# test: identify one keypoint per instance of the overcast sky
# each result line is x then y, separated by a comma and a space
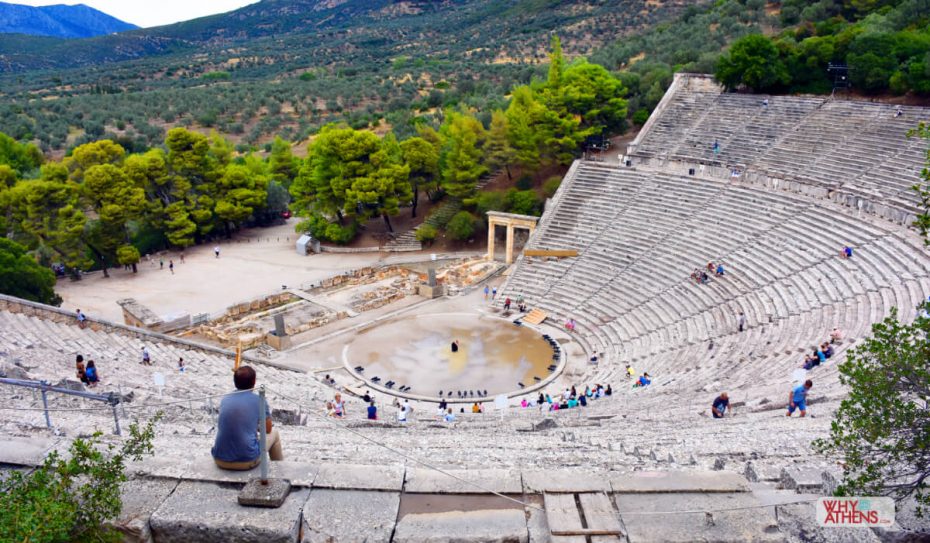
147, 13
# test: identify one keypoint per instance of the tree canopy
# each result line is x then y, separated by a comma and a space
882, 429
23, 277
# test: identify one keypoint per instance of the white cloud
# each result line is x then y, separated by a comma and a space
148, 13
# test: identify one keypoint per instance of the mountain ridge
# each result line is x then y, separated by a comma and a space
58, 21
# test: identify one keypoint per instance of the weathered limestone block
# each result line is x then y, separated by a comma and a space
486, 526
210, 512
350, 515
141, 497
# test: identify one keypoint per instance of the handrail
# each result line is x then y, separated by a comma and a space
110, 398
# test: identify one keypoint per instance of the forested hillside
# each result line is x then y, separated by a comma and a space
288, 67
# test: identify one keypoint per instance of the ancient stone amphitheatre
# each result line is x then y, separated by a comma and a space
786, 187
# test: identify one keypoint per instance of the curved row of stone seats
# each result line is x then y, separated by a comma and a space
860, 149
43, 349
630, 294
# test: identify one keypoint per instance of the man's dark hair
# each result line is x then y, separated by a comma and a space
80, 358
244, 378
808, 383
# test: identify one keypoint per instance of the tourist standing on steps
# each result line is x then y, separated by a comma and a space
237, 444
487, 290
81, 319
719, 408
797, 399
741, 321
372, 411
339, 406
146, 357
450, 416
493, 293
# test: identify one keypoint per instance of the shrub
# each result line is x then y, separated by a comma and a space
525, 182
462, 226
551, 185
641, 116
426, 233
491, 200
72, 498
523, 202
320, 228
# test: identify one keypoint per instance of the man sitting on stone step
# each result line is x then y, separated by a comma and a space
720, 405
237, 442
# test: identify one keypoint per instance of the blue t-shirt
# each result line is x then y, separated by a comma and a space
91, 374
799, 394
237, 430
721, 405
372, 412
821, 356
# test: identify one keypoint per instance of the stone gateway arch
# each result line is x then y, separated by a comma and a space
511, 221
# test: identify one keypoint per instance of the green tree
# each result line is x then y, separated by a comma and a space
753, 62
48, 215
525, 130
239, 193
339, 155
523, 202
70, 498
388, 185
7, 176
193, 165
23, 277
553, 89
871, 61
922, 221
591, 92
283, 164
882, 429
115, 201
426, 233
498, 153
93, 154
460, 160
462, 226
422, 158
21, 158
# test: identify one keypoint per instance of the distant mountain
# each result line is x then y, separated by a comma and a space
59, 21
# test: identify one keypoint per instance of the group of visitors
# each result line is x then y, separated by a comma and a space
569, 398
702, 277
86, 374
521, 304
336, 407
642, 381
819, 355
